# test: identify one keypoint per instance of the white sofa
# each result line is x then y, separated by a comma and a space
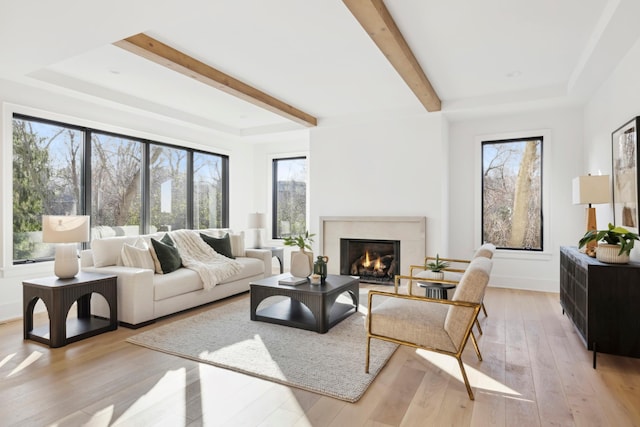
144, 296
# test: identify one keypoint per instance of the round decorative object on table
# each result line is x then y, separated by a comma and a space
609, 254
301, 263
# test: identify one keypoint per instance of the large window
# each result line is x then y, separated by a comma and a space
131, 185
289, 197
512, 193
168, 188
116, 181
47, 160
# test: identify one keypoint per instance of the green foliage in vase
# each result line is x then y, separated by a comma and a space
437, 265
614, 236
303, 241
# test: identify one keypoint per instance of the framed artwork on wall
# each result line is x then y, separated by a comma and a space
624, 144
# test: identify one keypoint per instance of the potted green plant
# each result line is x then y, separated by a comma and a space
301, 261
436, 268
618, 243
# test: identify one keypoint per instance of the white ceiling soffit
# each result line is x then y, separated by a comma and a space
493, 55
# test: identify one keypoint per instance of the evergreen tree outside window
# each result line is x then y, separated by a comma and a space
512, 193
289, 197
47, 170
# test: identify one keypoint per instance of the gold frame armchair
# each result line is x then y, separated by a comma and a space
442, 326
453, 273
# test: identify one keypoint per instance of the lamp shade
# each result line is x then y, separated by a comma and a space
256, 220
590, 189
65, 229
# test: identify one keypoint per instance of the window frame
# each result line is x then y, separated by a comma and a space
545, 165
274, 192
86, 185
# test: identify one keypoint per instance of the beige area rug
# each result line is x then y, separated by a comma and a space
331, 364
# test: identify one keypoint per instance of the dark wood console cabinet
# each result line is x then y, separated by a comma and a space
603, 301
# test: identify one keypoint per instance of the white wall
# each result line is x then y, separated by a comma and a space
292, 144
382, 166
616, 102
47, 104
536, 271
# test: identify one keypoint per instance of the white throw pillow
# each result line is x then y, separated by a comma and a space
237, 244
137, 255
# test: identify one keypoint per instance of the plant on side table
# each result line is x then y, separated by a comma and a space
436, 268
302, 260
619, 242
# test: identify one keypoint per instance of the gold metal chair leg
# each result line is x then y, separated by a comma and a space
484, 310
464, 377
478, 325
366, 365
475, 346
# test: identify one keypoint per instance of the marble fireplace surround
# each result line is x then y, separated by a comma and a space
410, 230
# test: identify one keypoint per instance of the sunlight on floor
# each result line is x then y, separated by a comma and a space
162, 395
26, 363
6, 359
478, 380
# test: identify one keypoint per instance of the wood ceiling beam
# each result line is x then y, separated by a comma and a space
160, 53
378, 23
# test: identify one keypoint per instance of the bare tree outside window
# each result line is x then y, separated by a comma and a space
168, 188
289, 197
116, 174
512, 193
208, 189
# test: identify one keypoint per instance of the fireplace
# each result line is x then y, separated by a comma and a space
374, 261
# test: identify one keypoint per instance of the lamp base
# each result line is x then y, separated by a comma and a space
590, 248
66, 260
257, 238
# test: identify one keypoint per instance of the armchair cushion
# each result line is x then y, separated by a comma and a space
412, 321
470, 289
486, 250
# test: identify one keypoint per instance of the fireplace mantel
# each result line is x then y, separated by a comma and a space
410, 230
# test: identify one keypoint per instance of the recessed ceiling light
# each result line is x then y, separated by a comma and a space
514, 74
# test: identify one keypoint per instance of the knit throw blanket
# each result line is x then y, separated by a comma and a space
197, 255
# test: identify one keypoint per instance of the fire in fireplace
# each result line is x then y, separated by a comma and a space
375, 261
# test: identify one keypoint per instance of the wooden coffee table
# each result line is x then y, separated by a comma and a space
307, 306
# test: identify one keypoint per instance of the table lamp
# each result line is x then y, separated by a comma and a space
588, 190
67, 232
257, 223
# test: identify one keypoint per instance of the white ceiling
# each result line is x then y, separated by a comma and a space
480, 56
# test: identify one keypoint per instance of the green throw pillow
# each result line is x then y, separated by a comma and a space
166, 254
220, 245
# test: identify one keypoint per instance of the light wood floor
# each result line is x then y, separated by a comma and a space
535, 372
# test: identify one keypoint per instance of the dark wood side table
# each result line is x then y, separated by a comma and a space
59, 295
436, 290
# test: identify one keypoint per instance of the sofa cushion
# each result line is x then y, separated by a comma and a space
250, 267
137, 255
107, 251
165, 255
181, 281
237, 244
220, 245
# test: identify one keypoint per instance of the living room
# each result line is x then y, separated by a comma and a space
376, 151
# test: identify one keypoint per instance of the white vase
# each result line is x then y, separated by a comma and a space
301, 263
609, 254
436, 275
